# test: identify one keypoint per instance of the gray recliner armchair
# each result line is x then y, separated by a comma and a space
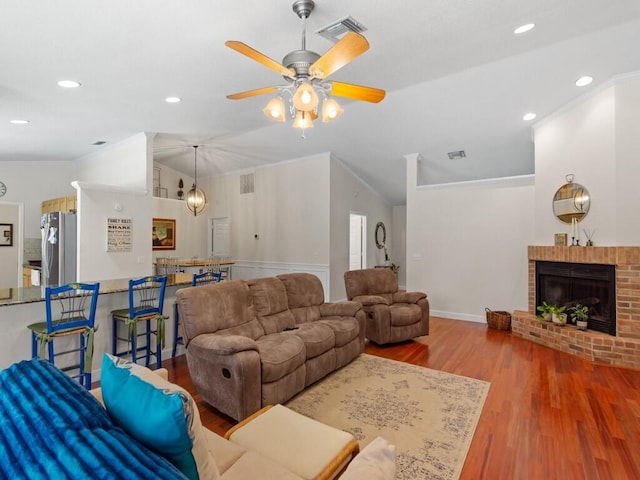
392, 315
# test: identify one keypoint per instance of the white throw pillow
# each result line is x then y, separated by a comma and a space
377, 461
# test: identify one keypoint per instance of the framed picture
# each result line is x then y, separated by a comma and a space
6, 234
163, 235
560, 239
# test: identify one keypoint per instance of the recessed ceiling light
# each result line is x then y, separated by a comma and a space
172, 99
524, 28
19, 122
584, 81
68, 84
529, 116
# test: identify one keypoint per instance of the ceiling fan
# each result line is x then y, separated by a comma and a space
307, 73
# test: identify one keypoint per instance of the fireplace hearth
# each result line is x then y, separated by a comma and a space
568, 284
623, 349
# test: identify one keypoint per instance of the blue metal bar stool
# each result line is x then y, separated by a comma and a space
146, 301
198, 279
66, 313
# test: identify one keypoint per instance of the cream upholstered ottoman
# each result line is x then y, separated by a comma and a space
310, 449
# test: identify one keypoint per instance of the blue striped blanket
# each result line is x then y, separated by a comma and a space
52, 428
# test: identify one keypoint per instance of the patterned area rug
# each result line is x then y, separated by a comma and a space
429, 415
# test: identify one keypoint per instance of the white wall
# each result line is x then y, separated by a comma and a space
289, 212
191, 231
10, 255
467, 244
579, 140
115, 183
628, 160
399, 241
349, 194
30, 183
126, 164
597, 139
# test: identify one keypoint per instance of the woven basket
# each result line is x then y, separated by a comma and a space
499, 320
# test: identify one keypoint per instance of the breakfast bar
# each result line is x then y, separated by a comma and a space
20, 307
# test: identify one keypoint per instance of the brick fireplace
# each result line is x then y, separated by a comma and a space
623, 349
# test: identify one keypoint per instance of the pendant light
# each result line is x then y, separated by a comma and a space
196, 200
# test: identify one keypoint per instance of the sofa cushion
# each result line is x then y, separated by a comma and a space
344, 329
157, 413
306, 314
224, 307
280, 354
403, 314
317, 338
270, 304
303, 289
370, 281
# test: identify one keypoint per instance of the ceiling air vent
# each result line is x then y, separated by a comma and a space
246, 183
99, 142
336, 30
457, 154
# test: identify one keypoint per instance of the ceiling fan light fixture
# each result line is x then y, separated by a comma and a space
305, 98
331, 110
275, 110
303, 120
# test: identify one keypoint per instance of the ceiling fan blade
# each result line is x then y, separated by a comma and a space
260, 58
357, 92
251, 93
343, 52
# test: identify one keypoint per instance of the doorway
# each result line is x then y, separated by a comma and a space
219, 234
357, 241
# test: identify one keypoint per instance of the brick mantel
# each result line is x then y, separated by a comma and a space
622, 350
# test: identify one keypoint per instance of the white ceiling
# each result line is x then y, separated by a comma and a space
456, 78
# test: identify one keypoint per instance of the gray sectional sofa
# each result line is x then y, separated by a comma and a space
252, 343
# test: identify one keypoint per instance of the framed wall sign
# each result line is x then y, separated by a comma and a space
163, 234
6, 234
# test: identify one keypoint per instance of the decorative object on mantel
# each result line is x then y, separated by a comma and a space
498, 319
558, 317
579, 315
589, 234
545, 312
560, 239
571, 204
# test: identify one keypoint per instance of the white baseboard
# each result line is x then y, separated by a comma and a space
459, 316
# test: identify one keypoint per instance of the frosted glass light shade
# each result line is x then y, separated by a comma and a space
331, 110
305, 98
302, 120
275, 110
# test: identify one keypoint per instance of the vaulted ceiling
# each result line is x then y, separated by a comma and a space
455, 74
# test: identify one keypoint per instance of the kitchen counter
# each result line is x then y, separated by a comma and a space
16, 296
20, 307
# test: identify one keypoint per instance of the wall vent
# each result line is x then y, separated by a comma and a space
247, 183
457, 154
338, 29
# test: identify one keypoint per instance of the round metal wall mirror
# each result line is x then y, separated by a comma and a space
571, 201
381, 235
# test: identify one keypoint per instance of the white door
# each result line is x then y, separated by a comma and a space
357, 241
219, 233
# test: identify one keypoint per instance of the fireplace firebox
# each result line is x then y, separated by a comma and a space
593, 285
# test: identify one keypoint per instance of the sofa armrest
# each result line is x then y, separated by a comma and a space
225, 344
408, 297
367, 300
341, 309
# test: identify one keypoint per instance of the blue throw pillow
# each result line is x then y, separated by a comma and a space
153, 416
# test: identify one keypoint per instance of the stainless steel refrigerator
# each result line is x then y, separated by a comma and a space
59, 247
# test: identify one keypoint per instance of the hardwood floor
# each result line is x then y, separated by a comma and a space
548, 415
